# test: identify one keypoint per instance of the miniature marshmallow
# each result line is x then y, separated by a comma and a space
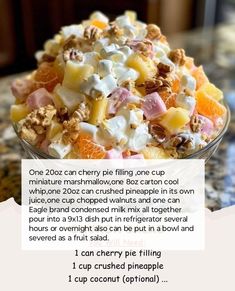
39, 98
116, 99
113, 154
123, 73
91, 58
153, 106
100, 44
207, 125
69, 98
123, 20
138, 138
20, 88
129, 31
117, 56
57, 148
97, 15
105, 67
115, 128
186, 102
133, 117
75, 29
88, 128
189, 82
98, 88
166, 61
126, 50
135, 157
106, 50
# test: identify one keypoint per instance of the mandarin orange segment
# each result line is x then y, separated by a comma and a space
99, 24
88, 149
176, 85
200, 76
47, 77
208, 106
169, 100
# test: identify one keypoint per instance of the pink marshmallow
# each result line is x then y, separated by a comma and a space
39, 98
136, 157
21, 88
116, 99
207, 125
113, 154
137, 46
153, 106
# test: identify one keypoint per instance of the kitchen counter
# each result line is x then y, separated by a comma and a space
220, 169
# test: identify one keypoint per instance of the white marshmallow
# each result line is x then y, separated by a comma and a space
106, 50
98, 88
133, 117
105, 67
59, 150
75, 29
91, 58
138, 138
126, 50
88, 128
100, 44
163, 46
99, 16
69, 98
123, 73
189, 82
129, 31
123, 20
186, 102
141, 34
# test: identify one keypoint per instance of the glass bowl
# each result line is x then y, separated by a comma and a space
204, 153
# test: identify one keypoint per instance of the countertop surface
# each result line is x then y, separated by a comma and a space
220, 169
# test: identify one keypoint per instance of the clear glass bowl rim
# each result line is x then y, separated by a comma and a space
200, 152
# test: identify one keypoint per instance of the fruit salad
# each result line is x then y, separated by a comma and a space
116, 90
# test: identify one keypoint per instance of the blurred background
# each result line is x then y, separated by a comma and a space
26, 24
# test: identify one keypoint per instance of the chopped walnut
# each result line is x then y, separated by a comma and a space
36, 123
157, 132
71, 130
114, 30
92, 33
82, 113
71, 42
62, 114
177, 56
144, 47
153, 32
73, 55
195, 123
181, 142
158, 84
163, 69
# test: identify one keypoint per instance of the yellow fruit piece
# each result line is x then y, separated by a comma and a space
212, 91
174, 119
75, 74
72, 155
132, 15
100, 24
18, 112
143, 65
98, 111
54, 128
154, 153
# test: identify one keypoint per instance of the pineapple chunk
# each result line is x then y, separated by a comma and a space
212, 91
18, 112
174, 119
154, 153
143, 65
54, 128
98, 111
75, 74
132, 15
